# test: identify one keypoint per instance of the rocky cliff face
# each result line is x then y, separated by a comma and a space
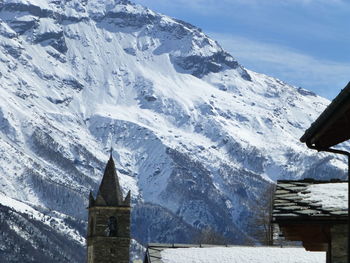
197, 137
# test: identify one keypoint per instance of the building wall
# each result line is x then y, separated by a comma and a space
339, 243
101, 247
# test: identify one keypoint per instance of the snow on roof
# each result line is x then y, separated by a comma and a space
241, 255
309, 200
329, 195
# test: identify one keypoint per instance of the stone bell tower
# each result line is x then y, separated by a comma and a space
108, 235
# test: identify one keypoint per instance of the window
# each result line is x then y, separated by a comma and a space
112, 227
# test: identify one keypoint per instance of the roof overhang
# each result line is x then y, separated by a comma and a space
314, 237
312, 220
333, 125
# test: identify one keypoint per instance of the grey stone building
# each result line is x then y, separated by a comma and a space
108, 235
314, 212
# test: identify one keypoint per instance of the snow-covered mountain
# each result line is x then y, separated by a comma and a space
197, 137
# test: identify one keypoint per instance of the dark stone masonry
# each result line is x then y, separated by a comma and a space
108, 237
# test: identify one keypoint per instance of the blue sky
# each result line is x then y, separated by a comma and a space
303, 42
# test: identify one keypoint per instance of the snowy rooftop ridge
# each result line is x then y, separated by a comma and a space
328, 195
240, 254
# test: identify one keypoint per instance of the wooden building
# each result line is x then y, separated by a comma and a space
317, 228
314, 212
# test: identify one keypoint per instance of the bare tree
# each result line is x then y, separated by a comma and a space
259, 225
210, 237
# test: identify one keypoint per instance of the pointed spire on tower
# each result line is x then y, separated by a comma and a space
111, 153
109, 192
91, 199
127, 199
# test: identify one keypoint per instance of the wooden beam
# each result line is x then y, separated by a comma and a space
313, 237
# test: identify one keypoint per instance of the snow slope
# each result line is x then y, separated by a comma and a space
197, 137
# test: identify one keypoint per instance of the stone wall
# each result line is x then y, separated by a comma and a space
99, 219
101, 247
109, 249
339, 243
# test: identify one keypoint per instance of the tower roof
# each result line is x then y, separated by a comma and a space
109, 193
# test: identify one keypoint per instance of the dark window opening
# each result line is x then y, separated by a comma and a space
112, 230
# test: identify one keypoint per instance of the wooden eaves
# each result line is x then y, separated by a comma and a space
332, 127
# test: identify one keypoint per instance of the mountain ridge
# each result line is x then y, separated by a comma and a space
197, 136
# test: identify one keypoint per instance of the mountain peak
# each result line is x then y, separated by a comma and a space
198, 135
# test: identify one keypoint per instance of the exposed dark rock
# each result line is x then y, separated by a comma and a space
200, 66
150, 98
54, 39
61, 58
60, 101
14, 51
22, 26
31, 9
124, 18
74, 84
306, 92
130, 51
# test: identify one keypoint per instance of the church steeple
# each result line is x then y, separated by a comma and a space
109, 221
109, 189
109, 192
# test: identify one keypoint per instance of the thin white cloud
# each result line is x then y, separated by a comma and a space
323, 76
